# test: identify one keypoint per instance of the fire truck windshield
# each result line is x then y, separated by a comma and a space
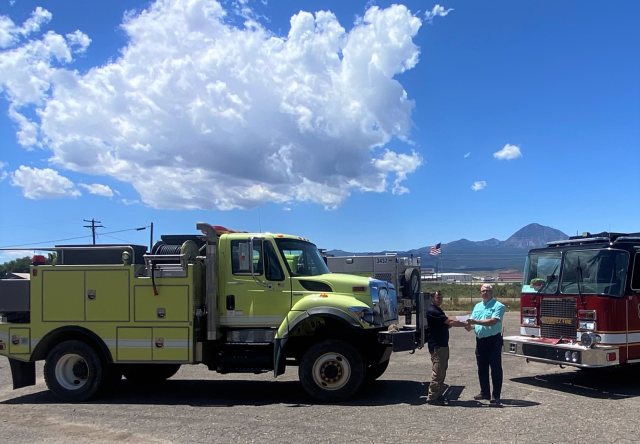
541, 271
594, 272
302, 258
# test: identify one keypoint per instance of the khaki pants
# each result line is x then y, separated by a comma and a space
439, 365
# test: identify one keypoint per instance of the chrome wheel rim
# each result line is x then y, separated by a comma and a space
72, 372
331, 371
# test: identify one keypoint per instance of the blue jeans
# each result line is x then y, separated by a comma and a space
489, 356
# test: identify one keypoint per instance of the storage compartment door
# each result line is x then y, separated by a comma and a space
19, 341
62, 295
171, 304
134, 344
107, 295
171, 344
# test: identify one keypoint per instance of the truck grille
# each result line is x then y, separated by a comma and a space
559, 309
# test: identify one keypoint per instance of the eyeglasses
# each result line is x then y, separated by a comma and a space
486, 291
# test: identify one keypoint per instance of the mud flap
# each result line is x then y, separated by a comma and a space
278, 362
23, 373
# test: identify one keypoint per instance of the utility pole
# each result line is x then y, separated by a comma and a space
93, 227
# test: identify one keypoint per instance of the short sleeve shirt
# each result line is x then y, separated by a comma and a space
490, 310
437, 331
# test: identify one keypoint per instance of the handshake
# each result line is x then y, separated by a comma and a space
469, 322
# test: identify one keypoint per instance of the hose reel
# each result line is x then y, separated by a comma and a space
188, 248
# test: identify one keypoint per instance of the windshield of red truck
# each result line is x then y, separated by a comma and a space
594, 272
302, 258
541, 271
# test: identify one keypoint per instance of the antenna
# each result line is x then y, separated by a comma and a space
259, 221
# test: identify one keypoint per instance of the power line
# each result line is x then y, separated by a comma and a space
93, 227
72, 238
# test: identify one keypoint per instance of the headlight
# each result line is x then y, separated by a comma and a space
364, 313
575, 356
529, 321
587, 325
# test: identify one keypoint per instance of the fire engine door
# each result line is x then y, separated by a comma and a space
633, 311
259, 300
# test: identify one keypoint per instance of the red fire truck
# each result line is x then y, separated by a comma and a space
580, 302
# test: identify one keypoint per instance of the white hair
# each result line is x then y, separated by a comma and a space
486, 287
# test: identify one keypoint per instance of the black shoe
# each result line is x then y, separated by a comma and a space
441, 398
435, 401
495, 401
480, 396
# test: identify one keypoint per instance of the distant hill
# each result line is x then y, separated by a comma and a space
490, 254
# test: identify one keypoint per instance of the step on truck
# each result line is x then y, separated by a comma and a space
234, 301
580, 303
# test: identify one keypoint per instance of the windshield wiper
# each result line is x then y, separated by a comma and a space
550, 278
579, 270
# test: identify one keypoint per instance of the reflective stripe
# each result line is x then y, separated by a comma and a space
143, 343
251, 320
530, 331
4, 336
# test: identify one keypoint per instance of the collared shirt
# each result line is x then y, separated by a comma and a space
490, 310
437, 331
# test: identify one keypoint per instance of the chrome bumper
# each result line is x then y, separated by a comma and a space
538, 350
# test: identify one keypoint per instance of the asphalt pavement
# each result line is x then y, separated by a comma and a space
541, 404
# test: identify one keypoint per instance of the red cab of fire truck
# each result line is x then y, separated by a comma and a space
580, 302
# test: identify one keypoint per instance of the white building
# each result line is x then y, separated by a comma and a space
447, 277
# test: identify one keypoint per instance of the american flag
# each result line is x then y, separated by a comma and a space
435, 249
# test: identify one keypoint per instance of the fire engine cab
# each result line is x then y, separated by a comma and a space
580, 302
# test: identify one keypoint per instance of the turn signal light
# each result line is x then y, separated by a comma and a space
359, 288
324, 295
611, 357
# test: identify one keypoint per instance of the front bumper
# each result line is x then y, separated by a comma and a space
545, 350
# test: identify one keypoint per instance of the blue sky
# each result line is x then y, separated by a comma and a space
235, 114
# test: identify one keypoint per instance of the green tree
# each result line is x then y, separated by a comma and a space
20, 265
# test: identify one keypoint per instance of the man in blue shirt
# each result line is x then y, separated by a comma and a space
487, 321
438, 341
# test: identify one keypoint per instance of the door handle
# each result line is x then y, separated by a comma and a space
231, 302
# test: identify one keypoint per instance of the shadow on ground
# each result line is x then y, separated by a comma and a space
203, 393
599, 384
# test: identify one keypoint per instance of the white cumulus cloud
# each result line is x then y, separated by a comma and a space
437, 11
43, 183
509, 152
467, 155
10, 33
198, 113
96, 188
478, 185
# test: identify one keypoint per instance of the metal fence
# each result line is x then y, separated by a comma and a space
463, 296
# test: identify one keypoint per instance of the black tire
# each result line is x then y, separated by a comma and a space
376, 370
74, 372
146, 374
332, 371
411, 282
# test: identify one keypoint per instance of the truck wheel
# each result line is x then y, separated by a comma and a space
411, 282
376, 370
149, 373
331, 371
74, 372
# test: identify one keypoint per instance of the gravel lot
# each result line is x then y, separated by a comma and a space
541, 404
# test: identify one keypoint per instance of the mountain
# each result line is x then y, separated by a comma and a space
490, 254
